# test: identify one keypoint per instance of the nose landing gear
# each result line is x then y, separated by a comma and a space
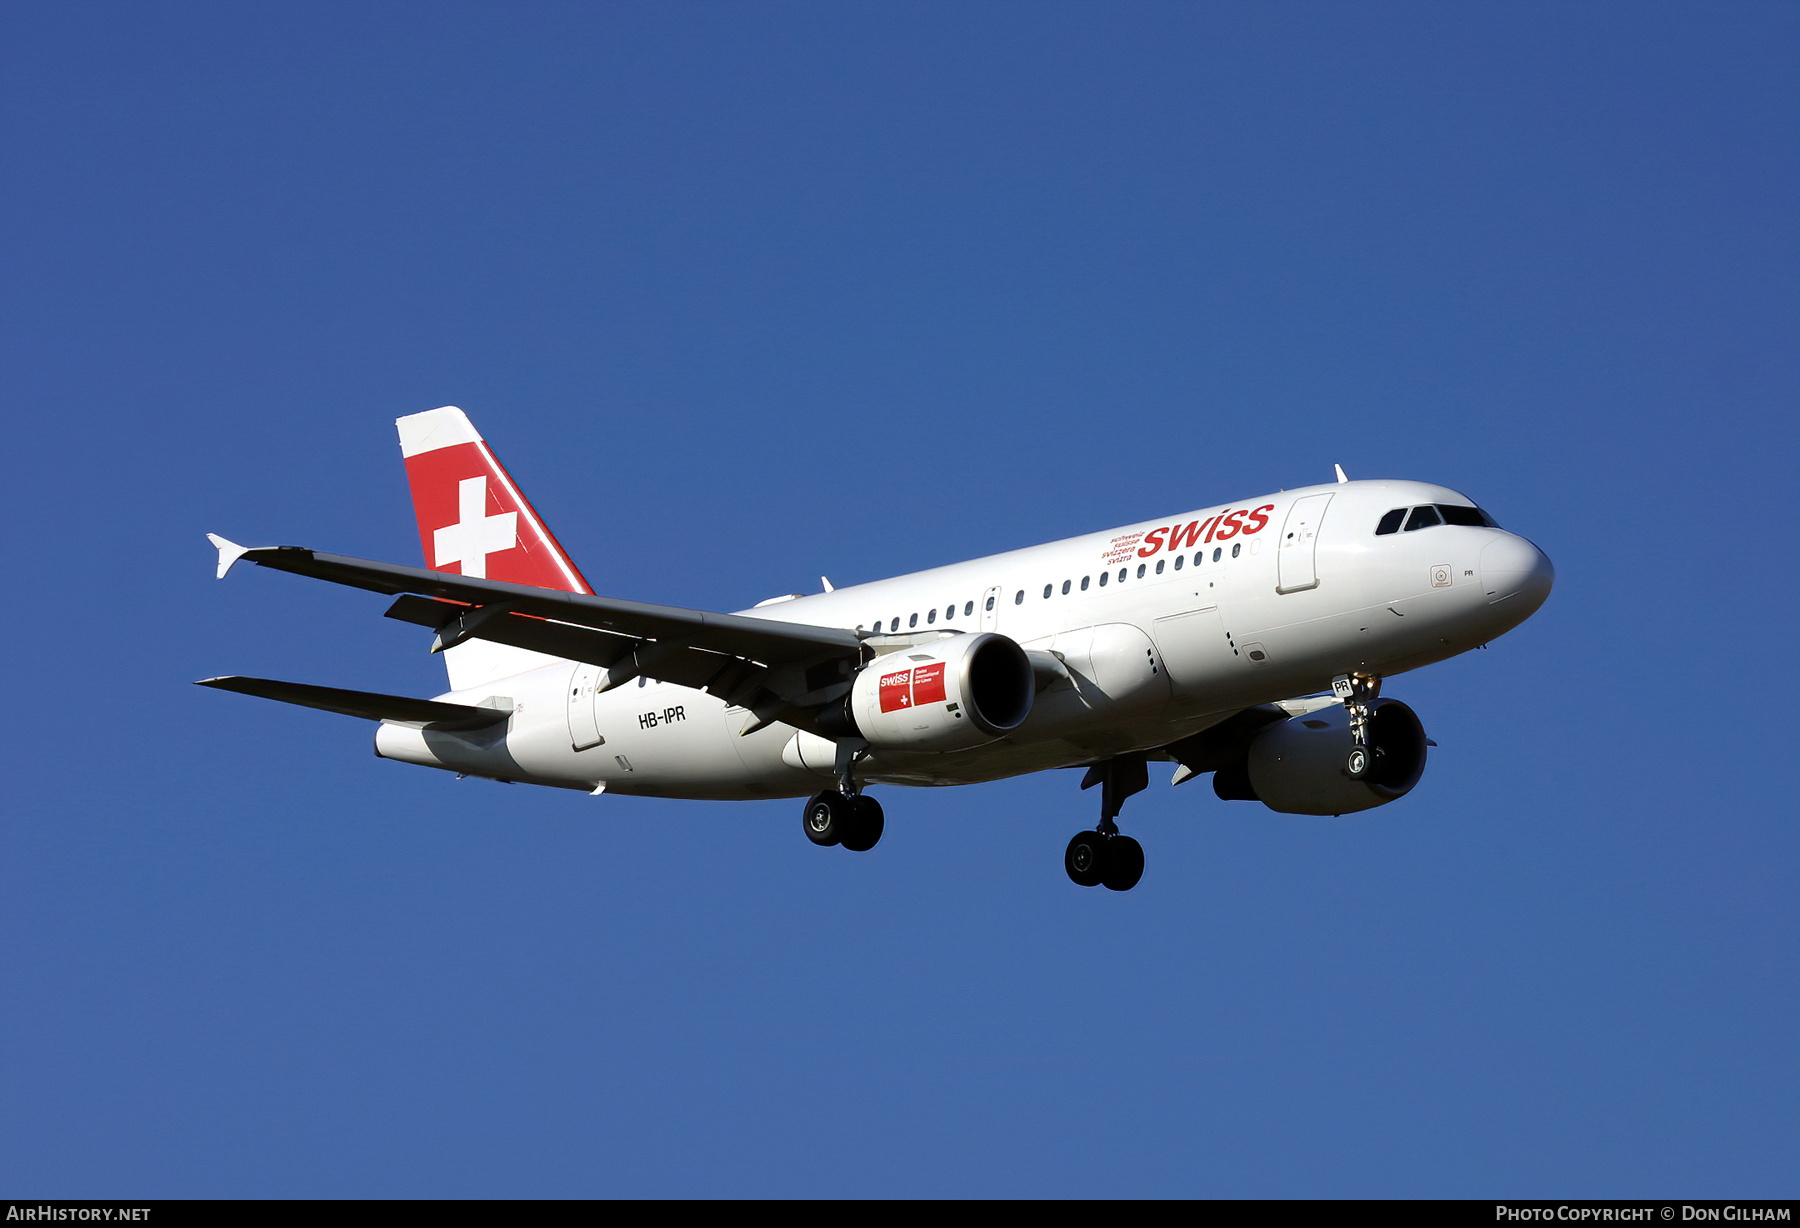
1357, 690
1103, 857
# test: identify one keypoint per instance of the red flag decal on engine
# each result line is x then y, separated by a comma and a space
896, 691
910, 688
928, 684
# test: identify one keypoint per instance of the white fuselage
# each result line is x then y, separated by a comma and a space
1251, 602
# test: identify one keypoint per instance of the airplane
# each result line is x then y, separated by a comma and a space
1248, 640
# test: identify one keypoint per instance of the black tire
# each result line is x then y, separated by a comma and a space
1359, 762
862, 826
824, 817
1124, 863
1086, 859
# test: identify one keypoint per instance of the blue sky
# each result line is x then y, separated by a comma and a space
744, 294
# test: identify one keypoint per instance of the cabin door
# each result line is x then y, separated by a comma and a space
1295, 567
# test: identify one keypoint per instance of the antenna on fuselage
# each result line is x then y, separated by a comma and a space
1340, 474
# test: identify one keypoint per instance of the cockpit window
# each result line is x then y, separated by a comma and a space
1434, 514
1472, 517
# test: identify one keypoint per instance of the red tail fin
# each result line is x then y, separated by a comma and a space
473, 519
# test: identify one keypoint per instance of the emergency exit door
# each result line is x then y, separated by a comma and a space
584, 729
990, 609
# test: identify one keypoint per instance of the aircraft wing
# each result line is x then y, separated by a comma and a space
731, 655
759, 639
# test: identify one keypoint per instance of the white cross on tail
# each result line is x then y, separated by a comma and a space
476, 535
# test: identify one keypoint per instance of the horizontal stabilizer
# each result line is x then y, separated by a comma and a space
366, 704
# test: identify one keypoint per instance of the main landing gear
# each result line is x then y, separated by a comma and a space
852, 820
1103, 857
844, 815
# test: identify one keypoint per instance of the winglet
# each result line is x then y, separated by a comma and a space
1340, 474
229, 552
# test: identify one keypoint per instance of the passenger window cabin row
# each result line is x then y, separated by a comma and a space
1400, 519
1143, 568
1106, 577
931, 616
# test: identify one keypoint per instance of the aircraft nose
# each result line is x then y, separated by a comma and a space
1514, 570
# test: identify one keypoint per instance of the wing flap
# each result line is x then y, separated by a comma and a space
455, 622
623, 656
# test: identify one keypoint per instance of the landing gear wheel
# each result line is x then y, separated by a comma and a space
862, 826
825, 815
1086, 859
1358, 762
1124, 863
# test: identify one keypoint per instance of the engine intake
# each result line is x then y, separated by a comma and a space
1296, 766
950, 694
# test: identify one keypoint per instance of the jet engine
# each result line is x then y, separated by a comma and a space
1296, 766
949, 694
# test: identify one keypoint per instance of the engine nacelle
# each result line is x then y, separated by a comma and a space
1296, 766
949, 694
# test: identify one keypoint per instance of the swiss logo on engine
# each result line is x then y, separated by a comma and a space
909, 688
896, 691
